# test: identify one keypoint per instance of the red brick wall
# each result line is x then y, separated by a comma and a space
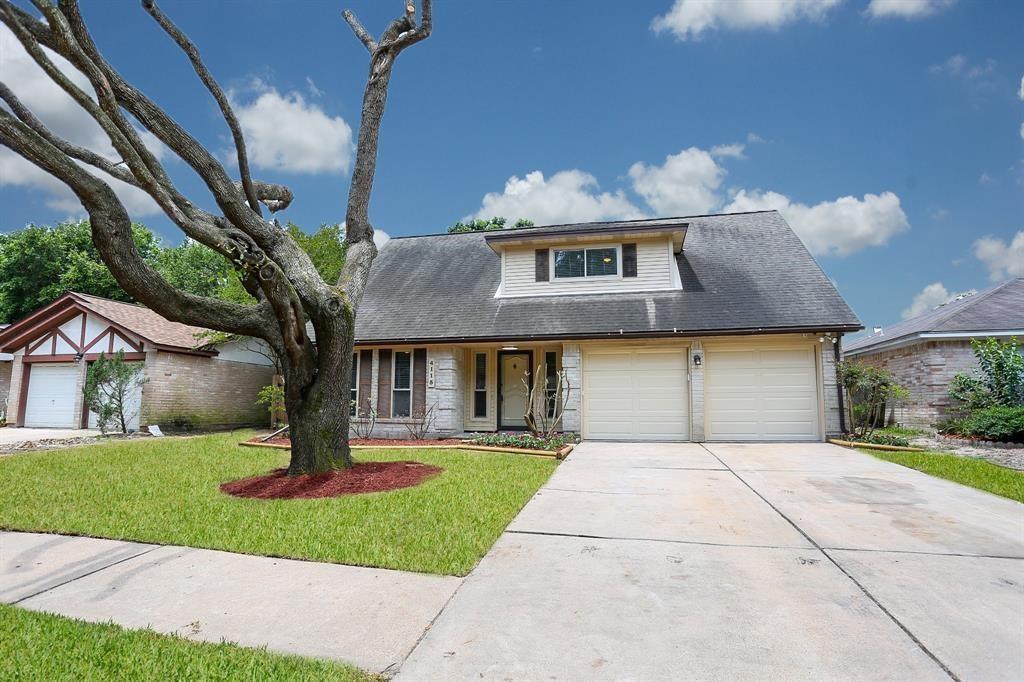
196, 391
925, 369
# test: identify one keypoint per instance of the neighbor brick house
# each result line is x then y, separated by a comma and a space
717, 327
924, 353
189, 382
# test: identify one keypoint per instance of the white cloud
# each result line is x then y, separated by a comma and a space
754, 138
568, 196
734, 151
832, 228
67, 119
933, 295
287, 133
1020, 93
907, 9
1002, 260
691, 18
960, 66
313, 89
686, 184
380, 238
984, 179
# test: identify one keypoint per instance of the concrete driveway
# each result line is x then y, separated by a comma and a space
781, 561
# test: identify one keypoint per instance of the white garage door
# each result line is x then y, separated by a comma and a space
761, 393
52, 390
636, 394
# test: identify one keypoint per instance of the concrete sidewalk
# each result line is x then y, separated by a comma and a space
369, 617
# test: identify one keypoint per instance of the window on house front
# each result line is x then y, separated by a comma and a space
480, 385
586, 262
401, 385
354, 387
551, 381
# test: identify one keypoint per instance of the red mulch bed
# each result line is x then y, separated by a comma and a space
365, 477
383, 442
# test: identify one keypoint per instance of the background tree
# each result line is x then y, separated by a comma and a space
495, 223
272, 267
39, 263
110, 386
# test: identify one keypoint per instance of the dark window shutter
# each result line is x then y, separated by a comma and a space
384, 383
541, 260
629, 260
419, 381
365, 381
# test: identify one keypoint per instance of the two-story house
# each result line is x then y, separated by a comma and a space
715, 327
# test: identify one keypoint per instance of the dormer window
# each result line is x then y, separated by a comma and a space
601, 262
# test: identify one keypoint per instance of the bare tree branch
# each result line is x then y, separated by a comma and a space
360, 31
189, 48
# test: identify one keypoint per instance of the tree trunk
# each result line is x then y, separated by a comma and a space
317, 403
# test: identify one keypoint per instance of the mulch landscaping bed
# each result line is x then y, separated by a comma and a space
379, 442
364, 477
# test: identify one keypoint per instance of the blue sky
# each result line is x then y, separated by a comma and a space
890, 134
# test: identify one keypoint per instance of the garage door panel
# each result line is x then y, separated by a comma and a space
52, 389
640, 394
762, 394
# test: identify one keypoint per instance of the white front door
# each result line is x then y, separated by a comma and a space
52, 389
762, 390
638, 393
515, 396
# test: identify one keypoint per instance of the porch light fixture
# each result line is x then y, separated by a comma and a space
697, 359
78, 357
510, 347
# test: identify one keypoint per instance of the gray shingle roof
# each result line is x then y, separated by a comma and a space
1000, 308
739, 272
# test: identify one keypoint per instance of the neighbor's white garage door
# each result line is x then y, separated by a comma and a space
761, 392
636, 394
51, 396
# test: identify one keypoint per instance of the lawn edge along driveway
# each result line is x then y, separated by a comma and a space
165, 491
969, 471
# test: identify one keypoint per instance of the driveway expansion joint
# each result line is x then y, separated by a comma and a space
664, 540
921, 645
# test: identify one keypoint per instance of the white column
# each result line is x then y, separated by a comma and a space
572, 365
697, 393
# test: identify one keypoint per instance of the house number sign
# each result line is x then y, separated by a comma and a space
430, 373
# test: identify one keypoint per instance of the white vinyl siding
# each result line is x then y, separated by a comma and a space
762, 390
654, 257
636, 393
52, 389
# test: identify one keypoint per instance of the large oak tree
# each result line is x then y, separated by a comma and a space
273, 268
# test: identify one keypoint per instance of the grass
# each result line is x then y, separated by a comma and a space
903, 431
165, 491
40, 646
976, 473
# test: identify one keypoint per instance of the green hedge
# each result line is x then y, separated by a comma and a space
525, 440
1003, 424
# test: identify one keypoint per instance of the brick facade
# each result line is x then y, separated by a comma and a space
6, 367
191, 391
572, 365
925, 369
830, 389
14, 390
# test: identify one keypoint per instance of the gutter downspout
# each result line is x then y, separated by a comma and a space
839, 388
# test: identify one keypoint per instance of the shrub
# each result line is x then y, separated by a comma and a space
867, 390
525, 440
1002, 377
1003, 424
881, 438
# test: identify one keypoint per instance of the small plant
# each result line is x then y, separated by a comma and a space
546, 402
868, 390
273, 398
362, 426
525, 440
882, 438
110, 383
1002, 424
421, 422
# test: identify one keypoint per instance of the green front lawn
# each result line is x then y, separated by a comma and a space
40, 646
976, 473
165, 491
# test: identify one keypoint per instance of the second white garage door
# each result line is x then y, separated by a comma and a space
636, 394
51, 396
761, 393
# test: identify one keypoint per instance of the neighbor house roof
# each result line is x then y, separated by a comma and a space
137, 319
999, 310
740, 273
